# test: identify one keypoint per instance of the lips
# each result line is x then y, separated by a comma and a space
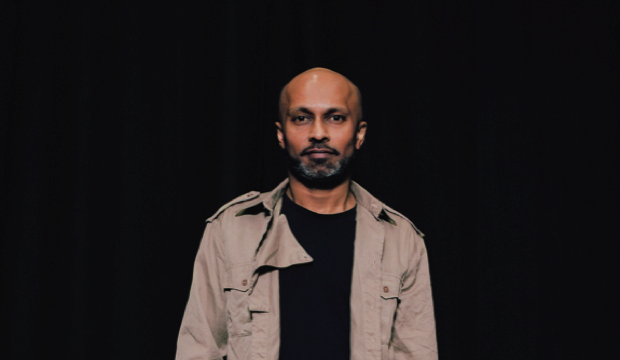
319, 151
319, 154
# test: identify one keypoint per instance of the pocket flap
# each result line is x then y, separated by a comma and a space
238, 277
390, 286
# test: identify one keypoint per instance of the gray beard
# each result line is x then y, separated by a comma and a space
320, 174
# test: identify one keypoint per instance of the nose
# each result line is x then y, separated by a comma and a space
319, 132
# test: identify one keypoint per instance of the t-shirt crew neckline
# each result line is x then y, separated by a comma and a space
293, 206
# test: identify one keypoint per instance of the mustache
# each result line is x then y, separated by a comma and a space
319, 146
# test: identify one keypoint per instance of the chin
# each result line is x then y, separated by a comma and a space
320, 163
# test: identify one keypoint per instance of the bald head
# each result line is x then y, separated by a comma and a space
318, 83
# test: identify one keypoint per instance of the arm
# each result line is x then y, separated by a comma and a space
203, 334
413, 335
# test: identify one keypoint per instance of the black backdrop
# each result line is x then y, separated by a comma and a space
125, 125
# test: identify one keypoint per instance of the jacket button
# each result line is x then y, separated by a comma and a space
385, 289
244, 282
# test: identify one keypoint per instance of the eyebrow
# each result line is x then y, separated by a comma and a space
329, 111
301, 109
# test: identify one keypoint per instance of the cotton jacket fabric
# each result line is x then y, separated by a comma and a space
233, 308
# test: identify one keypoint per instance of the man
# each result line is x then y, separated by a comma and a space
317, 268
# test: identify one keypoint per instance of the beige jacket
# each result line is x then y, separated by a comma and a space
233, 308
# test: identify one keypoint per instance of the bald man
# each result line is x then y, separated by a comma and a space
317, 268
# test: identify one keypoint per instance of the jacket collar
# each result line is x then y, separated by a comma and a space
272, 198
363, 198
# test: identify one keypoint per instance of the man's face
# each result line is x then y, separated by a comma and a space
319, 129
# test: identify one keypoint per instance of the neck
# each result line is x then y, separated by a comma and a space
322, 201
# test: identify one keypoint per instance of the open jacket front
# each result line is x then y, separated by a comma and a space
233, 308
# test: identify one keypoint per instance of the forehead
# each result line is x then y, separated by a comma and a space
316, 91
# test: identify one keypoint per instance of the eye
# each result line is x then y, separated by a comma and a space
338, 118
300, 118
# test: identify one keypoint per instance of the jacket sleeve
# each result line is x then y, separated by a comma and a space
413, 335
203, 334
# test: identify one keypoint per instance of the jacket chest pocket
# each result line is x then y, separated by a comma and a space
236, 290
390, 298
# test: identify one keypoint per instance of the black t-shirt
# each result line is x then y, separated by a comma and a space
314, 297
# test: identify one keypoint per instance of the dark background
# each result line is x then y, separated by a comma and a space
492, 125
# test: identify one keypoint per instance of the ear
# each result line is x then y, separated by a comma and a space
361, 134
280, 134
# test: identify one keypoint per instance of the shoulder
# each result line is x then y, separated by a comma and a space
399, 219
403, 242
381, 211
243, 200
